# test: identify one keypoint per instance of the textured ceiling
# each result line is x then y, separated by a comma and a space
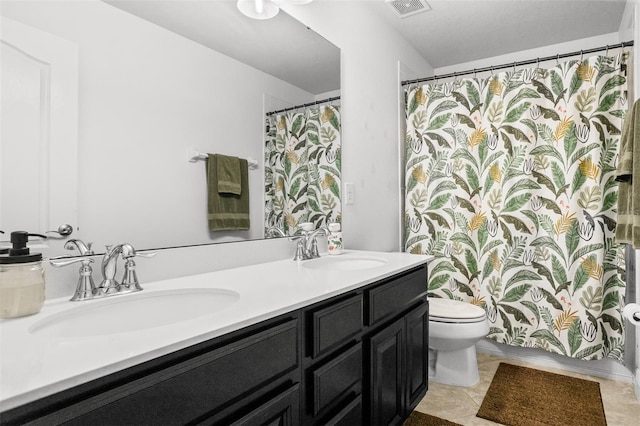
452, 32
281, 46
458, 31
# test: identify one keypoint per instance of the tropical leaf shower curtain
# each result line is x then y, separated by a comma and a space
510, 185
303, 168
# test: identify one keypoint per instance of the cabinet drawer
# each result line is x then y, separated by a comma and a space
349, 415
200, 385
282, 410
390, 298
335, 379
335, 324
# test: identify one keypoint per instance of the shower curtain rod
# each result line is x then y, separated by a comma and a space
519, 63
335, 98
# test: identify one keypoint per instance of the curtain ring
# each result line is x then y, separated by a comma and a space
557, 59
581, 55
514, 67
491, 70
606, 52
474, 73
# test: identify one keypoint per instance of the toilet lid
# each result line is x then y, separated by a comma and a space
448, 310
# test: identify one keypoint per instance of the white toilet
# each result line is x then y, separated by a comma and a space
454, 329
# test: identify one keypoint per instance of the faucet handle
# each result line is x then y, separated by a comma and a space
59, 262
130, 279
150, 254
129, 252
313, 251
85, 289
300, 247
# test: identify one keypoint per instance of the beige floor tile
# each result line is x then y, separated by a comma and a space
487, 370
447, 402
460, 405
473, 421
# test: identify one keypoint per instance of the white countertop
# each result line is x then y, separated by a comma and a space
32, 366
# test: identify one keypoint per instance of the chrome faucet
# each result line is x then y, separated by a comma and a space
274, 230
84, 249
109, 285
307, 246
86, 288
312, 244
301, 251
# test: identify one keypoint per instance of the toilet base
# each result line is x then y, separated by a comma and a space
456, 368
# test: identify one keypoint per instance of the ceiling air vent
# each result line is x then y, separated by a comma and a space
406, 8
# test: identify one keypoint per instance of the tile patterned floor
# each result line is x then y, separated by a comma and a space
460, 405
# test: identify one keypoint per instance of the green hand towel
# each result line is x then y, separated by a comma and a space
228, 171
627, 173
227, 212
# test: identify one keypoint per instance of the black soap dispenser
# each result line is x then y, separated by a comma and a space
21, 278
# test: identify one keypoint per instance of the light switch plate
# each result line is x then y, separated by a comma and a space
348, 193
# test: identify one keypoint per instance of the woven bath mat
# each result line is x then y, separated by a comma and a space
521, 396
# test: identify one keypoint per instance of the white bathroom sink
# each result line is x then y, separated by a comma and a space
134, 312
345, 263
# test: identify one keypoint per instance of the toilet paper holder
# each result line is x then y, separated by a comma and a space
632, 313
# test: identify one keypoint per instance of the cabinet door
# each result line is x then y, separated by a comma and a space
417, 331
386, 394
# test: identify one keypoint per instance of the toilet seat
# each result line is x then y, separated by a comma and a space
454, 311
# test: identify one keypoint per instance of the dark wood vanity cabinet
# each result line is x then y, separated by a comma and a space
372, 368
397, 349
357, 358
398, 371
251, 376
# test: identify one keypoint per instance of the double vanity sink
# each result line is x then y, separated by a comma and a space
134, 313
71, 343
160, 308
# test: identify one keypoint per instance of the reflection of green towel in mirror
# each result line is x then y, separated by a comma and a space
627, 174
227, 212
228, 172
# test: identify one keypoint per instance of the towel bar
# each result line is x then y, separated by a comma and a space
195, 156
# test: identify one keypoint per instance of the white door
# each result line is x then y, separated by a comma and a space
39, 133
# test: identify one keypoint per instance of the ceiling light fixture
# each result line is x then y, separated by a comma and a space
264, 9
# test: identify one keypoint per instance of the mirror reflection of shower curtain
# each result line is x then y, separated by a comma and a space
510, 185
303, 168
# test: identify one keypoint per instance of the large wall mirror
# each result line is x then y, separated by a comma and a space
157, 82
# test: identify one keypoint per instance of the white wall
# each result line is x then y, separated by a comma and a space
370, 118
146, 96
552, 50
